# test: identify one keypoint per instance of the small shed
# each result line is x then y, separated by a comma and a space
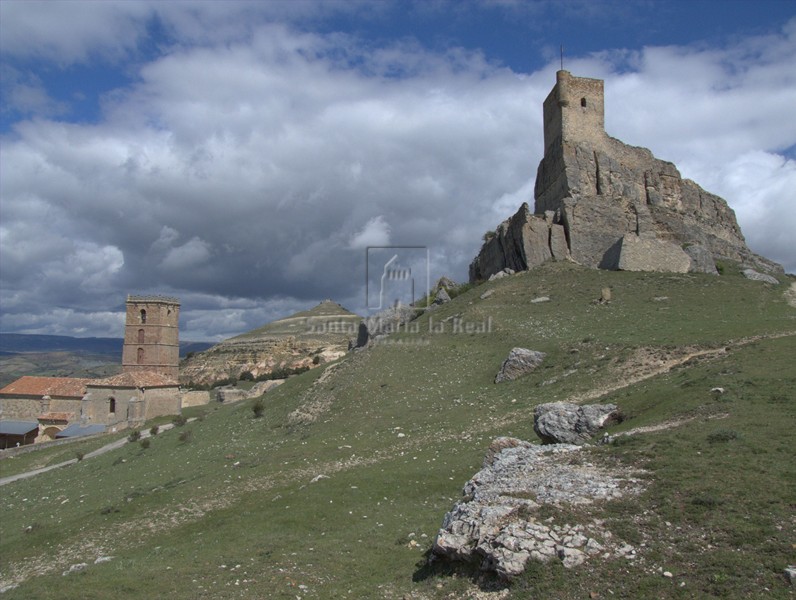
17, 433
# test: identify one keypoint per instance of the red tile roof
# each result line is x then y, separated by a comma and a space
62, 387
137, 379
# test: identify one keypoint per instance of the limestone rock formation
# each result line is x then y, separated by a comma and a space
755, 276
519, 362
567, 423
495, 524
390, 320
295, 341
608, 205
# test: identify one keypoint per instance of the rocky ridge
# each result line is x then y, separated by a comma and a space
304, 339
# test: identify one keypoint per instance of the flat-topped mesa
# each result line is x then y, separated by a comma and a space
617, 205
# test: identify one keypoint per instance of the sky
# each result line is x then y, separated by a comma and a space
243, 156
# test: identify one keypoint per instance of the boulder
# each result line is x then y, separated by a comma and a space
441, 297
701, 260
755, 276
519, 362
230, 394
445, 282
390, 320
567, 423
637, 253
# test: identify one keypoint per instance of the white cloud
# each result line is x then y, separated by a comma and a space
376, 232
190, 255
256, 169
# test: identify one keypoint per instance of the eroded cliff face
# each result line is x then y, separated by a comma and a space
618, 205
305, 339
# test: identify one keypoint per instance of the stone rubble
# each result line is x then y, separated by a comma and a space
496, 523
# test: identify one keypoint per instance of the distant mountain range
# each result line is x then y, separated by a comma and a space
16, 343
65, 356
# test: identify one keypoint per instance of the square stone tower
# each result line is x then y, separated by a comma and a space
574, 111
151, 336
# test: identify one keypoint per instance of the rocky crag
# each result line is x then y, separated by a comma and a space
605, 204
304, 339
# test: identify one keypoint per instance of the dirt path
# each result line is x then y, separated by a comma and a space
790, 294
92, 454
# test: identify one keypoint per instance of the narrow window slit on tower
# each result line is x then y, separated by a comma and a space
583, 102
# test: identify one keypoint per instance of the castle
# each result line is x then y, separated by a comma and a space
604, 204
45, 408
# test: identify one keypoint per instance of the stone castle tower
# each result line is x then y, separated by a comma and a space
151, 336
574, 110
607, 205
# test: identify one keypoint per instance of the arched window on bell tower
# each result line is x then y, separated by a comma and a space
140, 336
143, 316
140, 356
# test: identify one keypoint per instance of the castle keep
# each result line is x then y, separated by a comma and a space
605, 204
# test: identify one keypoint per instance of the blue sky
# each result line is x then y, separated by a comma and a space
241, 155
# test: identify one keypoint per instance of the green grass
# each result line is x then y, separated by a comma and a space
399, 428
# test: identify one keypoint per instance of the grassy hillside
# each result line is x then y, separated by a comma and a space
338, 490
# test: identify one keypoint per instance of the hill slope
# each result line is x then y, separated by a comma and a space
289, 343
338, 490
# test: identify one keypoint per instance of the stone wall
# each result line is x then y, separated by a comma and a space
162, 401
29, 409
195, 398
97, 406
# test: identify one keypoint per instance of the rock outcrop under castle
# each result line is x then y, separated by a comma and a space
605, 204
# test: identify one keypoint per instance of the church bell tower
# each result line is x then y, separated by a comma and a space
151, 336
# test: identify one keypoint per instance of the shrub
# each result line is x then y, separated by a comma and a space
186, 436
316, 360
723, 435
79, 456
179, 421
154, 430
258, 407
246, 376
145, 443
134, 436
